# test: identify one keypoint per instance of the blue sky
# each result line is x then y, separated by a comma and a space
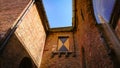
59, 12
103, 8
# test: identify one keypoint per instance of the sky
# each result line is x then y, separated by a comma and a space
59, 12
103, 8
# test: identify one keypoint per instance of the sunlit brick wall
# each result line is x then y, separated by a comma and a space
32, 34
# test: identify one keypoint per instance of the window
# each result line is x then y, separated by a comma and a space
62, 47
63, 44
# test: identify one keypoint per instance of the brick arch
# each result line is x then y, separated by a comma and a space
26, 62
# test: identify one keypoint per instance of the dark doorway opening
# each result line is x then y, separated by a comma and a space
26, 63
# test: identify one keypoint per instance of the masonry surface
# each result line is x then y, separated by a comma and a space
33, 40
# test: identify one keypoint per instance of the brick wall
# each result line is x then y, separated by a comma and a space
32, 34
13, 53
58, 62
92, 50
9, 12
118, 29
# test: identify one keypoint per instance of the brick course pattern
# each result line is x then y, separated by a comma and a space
9, 12
93, 52
32, 34
13, 53
58, 62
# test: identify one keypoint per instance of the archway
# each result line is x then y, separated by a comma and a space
26, 63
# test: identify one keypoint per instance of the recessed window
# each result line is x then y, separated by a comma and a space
103, 8
82, 15
63, 44
59, 12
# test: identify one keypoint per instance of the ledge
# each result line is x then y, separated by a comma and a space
61, 29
